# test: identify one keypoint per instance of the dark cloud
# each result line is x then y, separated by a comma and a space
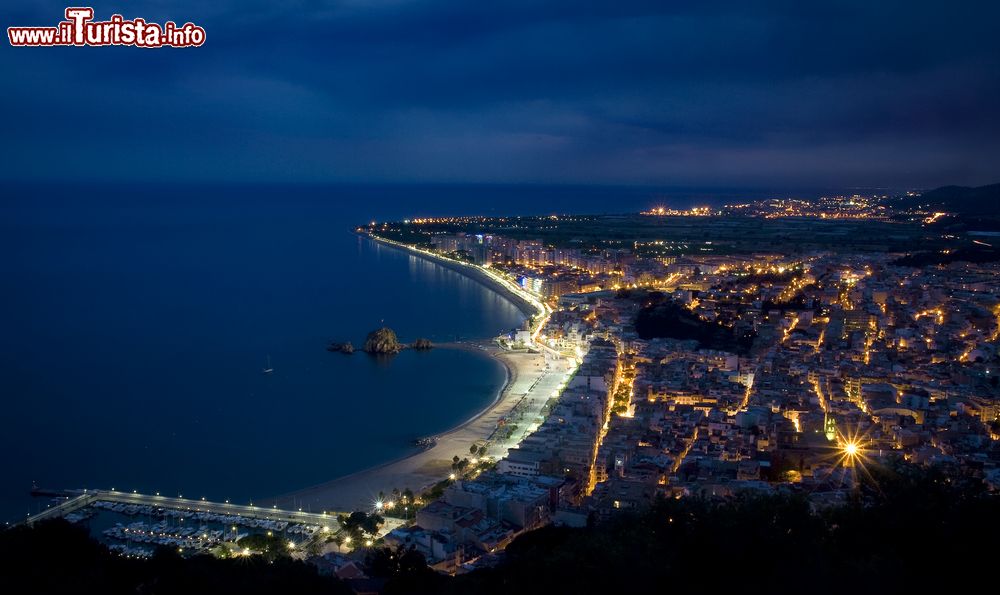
711, 93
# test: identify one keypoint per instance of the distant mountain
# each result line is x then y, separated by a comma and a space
984, 200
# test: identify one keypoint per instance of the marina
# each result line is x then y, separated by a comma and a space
134, 524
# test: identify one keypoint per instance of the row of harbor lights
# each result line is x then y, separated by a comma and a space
181, 496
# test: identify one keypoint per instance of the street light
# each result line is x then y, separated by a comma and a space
852, 452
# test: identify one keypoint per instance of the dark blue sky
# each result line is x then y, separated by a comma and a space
738, 94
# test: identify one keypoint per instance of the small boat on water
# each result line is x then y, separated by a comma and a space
268, 369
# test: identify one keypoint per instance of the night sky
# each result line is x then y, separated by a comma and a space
723, 94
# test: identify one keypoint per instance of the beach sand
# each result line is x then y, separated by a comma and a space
525, 372
359, 491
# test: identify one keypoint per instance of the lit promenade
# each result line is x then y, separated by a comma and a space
540, 307
549, 385
532, 380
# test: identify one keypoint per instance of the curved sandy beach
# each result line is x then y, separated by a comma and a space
417, 471
421, 469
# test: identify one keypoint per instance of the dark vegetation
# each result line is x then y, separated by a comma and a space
967, 223
971, 209
907, 530
915, 533
358, 523
798, 302
981, 200
404, 570
270, 546
973, 254
57, 557
667, 319
436, 490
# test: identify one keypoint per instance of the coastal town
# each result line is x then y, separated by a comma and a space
666, 354
719, 372
439, 297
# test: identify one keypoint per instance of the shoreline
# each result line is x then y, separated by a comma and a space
475, 346
509, 376
423, 468
471, 271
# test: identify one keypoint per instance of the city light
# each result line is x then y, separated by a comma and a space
828, 343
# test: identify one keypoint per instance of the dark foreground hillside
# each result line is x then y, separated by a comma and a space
907, 532
57, 557
923, 531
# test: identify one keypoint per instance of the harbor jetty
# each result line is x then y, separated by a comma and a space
232, 513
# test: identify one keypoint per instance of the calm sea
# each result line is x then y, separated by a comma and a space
136, 322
